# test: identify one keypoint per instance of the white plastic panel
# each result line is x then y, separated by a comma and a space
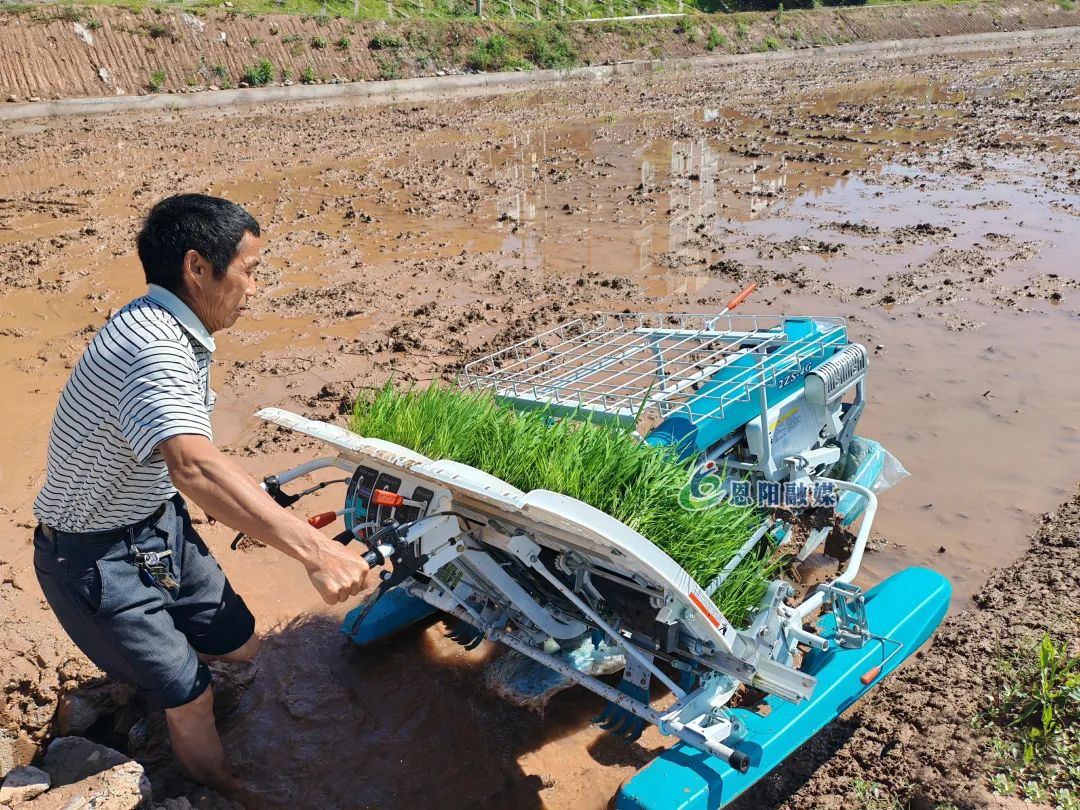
560, 520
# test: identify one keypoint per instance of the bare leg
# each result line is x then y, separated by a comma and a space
242, 654
198, 750
195, 741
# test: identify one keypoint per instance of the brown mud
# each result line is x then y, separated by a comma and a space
932, 200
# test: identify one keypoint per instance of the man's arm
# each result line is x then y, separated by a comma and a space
221, 488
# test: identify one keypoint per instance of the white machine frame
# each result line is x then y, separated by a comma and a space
458, 562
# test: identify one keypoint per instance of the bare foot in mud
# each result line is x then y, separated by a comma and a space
247, 798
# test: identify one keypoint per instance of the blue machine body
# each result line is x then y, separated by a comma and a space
394, 611
863, 465
694, 431
906, 608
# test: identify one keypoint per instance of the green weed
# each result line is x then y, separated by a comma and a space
493, 54
547, 46
157, 81
259, 74
874, 796
1035, 719
318, 42
343, 44
157, 30
383, 42
307, 76
388, 69
716, 39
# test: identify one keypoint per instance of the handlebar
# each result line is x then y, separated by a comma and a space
373, 557
377, 556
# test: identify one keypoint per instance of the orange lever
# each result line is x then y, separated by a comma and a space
738, 299
869, 675
383, 498
322, 519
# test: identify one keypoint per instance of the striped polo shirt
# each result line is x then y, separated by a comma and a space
144, 378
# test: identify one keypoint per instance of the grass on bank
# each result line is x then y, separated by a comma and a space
524, 48
874, 796
1035, 722
1034, 726
603, 465
520, 10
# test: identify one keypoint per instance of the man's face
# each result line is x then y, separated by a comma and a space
220, 301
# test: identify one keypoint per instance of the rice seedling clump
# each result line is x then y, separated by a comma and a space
604, 465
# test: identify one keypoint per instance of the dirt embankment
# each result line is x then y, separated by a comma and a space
52, 53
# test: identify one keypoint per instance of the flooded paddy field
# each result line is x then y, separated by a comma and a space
934, 202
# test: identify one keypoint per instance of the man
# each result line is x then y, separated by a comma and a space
117, 557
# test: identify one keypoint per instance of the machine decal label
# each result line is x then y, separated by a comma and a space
796, 374
715, 622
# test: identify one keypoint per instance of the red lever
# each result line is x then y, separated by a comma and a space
738, 299
322, 519
383, 498
869, 675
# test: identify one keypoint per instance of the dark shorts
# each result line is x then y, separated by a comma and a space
145, 634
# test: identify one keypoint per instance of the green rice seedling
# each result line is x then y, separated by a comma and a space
604, 465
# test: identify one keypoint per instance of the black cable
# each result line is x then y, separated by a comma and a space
286, 501
321, 485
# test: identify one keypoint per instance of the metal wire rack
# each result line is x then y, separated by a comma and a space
641, 367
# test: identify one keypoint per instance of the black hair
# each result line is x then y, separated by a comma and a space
211, 226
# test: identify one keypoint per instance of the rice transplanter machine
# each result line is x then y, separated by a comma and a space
765, 403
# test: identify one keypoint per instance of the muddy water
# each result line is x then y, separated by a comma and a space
935, 204
967, 387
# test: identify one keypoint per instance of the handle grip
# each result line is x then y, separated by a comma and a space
322, 519
738, 299
373, 557
868, 676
